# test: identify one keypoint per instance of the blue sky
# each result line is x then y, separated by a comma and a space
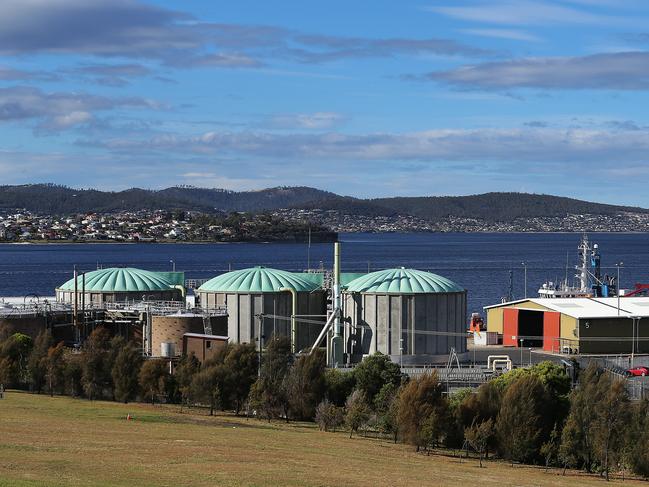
364, 98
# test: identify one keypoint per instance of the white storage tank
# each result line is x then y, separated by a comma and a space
167, 349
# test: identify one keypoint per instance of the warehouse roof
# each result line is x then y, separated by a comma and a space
403, 281
259, 280
634, 306
126, 279
588, 307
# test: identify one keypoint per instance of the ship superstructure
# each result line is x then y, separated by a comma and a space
588, 280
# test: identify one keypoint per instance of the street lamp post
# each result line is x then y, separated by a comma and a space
618, 265
521, 346
173, 265
635, 325
525, 278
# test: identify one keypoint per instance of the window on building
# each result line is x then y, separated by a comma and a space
208, 344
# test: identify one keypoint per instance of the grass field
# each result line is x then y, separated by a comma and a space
62, 441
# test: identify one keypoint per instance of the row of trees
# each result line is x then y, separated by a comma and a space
527, 415
104, 368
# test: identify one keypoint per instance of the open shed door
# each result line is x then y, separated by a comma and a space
510, 327
551, 331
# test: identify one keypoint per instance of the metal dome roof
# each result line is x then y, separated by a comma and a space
126, 279
258, 280
402, 281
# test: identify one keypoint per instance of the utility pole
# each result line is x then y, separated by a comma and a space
510, 294
525, 278
618, 265
635, 325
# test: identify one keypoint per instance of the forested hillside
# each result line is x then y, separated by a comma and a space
490, 207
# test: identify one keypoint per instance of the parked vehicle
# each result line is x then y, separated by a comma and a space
640, 371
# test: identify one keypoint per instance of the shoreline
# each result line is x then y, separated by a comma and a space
209, 242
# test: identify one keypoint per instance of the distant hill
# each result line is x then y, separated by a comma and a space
53, 199
491, 207
497, 206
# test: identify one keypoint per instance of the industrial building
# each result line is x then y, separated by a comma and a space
272, 299
203, 346
116, 284
168, 331
574, 325
413, 316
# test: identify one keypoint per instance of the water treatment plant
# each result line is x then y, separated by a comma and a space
415, 317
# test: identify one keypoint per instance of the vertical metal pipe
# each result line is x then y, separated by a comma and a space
308, 252
293, 314
76, 298
337, 341
261, 345
83, 299
336, 290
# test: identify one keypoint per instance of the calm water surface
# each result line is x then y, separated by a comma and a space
478, 262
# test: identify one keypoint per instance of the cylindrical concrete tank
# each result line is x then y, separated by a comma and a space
413, 316
250, 292
114, 285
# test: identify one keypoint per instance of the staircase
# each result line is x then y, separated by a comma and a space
207, 324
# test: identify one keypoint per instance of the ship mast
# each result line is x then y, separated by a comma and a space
584, 253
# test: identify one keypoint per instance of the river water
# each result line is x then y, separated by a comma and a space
478, 262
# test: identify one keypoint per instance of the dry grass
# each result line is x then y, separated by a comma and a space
63, 441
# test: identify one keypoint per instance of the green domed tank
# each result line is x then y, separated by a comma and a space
117, 284
411, 315
250, 292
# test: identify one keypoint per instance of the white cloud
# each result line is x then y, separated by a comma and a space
611, 71
531, 144
317, 120
522, 12
59, 110
72, 119
214, 180
509, 34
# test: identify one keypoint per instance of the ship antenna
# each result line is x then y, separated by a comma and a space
567, 264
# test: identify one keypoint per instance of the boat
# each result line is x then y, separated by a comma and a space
589, 282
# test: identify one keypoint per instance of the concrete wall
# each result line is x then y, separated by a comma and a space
202, 348
495, 320
385, 323
642, 344
243, 325
568, 328
28, 325
613, 328
172, 329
